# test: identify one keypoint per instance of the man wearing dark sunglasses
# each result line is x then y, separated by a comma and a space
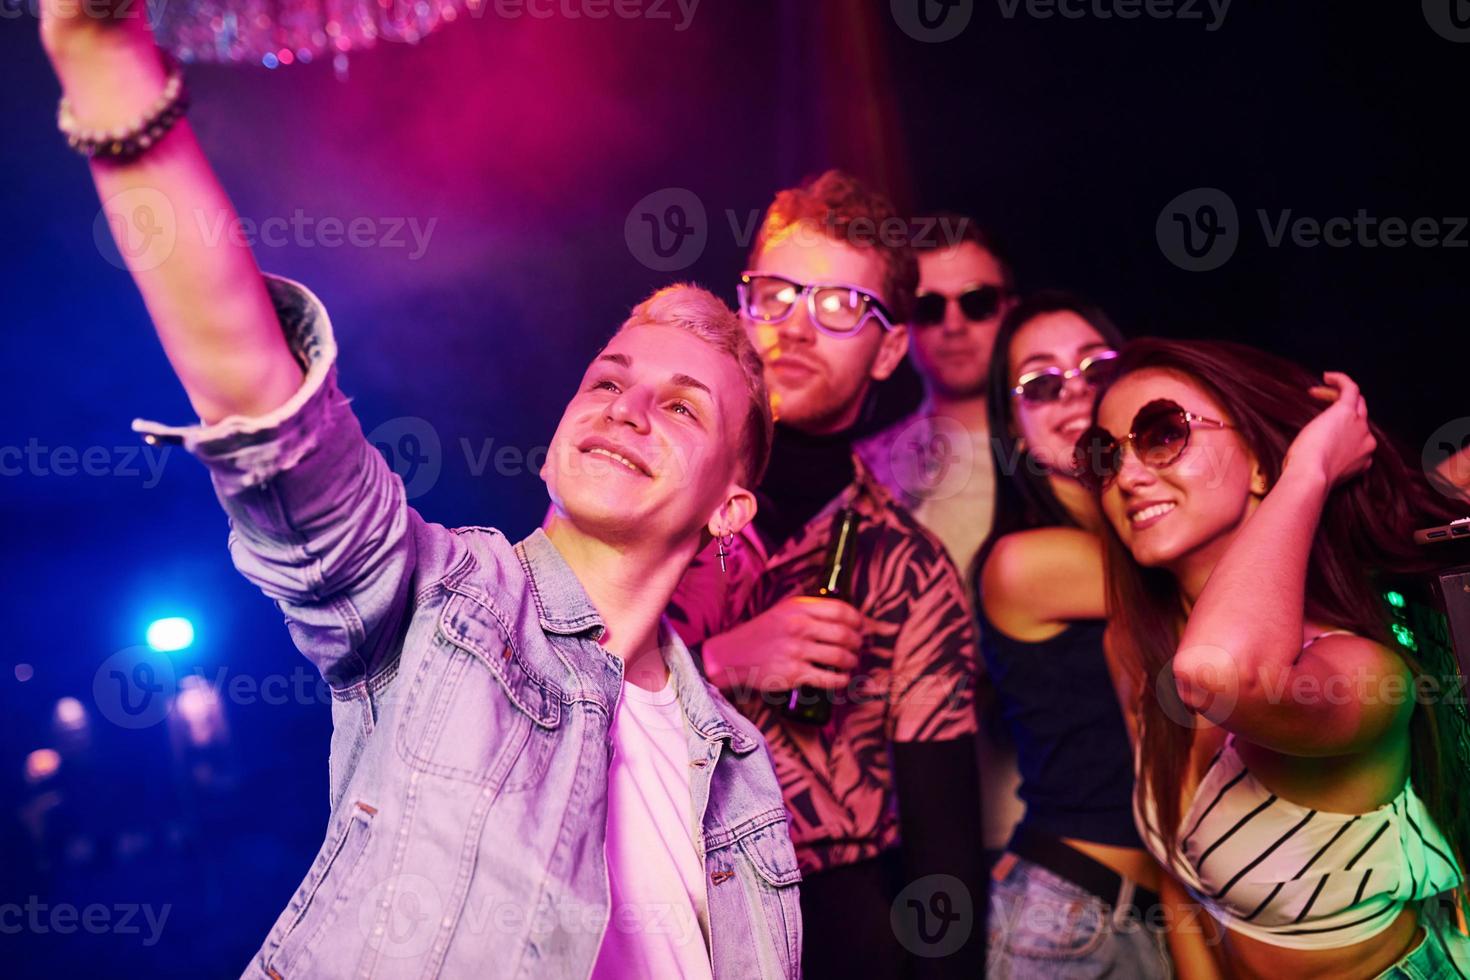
937, 461
884, 794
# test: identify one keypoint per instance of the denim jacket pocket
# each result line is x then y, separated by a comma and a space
769, 850
320, 898
766, 849
472, 712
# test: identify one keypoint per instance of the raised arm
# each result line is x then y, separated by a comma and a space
317, 520
1241, 653
207, 301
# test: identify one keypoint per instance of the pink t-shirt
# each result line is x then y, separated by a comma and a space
659, 925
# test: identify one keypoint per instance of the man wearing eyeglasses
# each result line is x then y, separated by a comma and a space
883, 794
938, 462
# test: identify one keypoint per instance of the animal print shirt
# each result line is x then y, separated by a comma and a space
913, 683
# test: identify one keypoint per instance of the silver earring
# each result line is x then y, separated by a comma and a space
723, 543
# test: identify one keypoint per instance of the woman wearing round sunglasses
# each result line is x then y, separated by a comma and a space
1287, 777
1074, 881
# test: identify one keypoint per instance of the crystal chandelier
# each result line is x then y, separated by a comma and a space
275, 33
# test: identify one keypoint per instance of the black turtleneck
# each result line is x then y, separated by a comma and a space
806, 472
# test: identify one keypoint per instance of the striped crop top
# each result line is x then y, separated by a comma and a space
1291, 876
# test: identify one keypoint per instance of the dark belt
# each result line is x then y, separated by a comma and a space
1063, 860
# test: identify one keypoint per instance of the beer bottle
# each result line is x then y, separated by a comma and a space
813, 705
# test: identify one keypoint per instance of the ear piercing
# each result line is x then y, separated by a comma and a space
722, 551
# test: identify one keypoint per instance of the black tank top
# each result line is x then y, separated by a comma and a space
1072, 748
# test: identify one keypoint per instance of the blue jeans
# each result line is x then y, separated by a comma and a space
1042, 926
1442, 952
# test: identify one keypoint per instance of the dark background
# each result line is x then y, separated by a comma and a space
531, 141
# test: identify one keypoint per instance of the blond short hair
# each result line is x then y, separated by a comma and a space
700, 312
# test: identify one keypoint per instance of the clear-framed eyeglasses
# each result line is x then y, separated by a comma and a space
838, 309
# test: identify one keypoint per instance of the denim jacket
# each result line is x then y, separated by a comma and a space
471, 707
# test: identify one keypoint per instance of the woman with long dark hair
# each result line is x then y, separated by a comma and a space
1068, 893
1289, 777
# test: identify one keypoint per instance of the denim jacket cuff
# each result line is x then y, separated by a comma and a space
246, 451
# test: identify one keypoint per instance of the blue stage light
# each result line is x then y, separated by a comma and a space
171, 633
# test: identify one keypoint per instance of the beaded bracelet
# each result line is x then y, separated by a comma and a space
125, 143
